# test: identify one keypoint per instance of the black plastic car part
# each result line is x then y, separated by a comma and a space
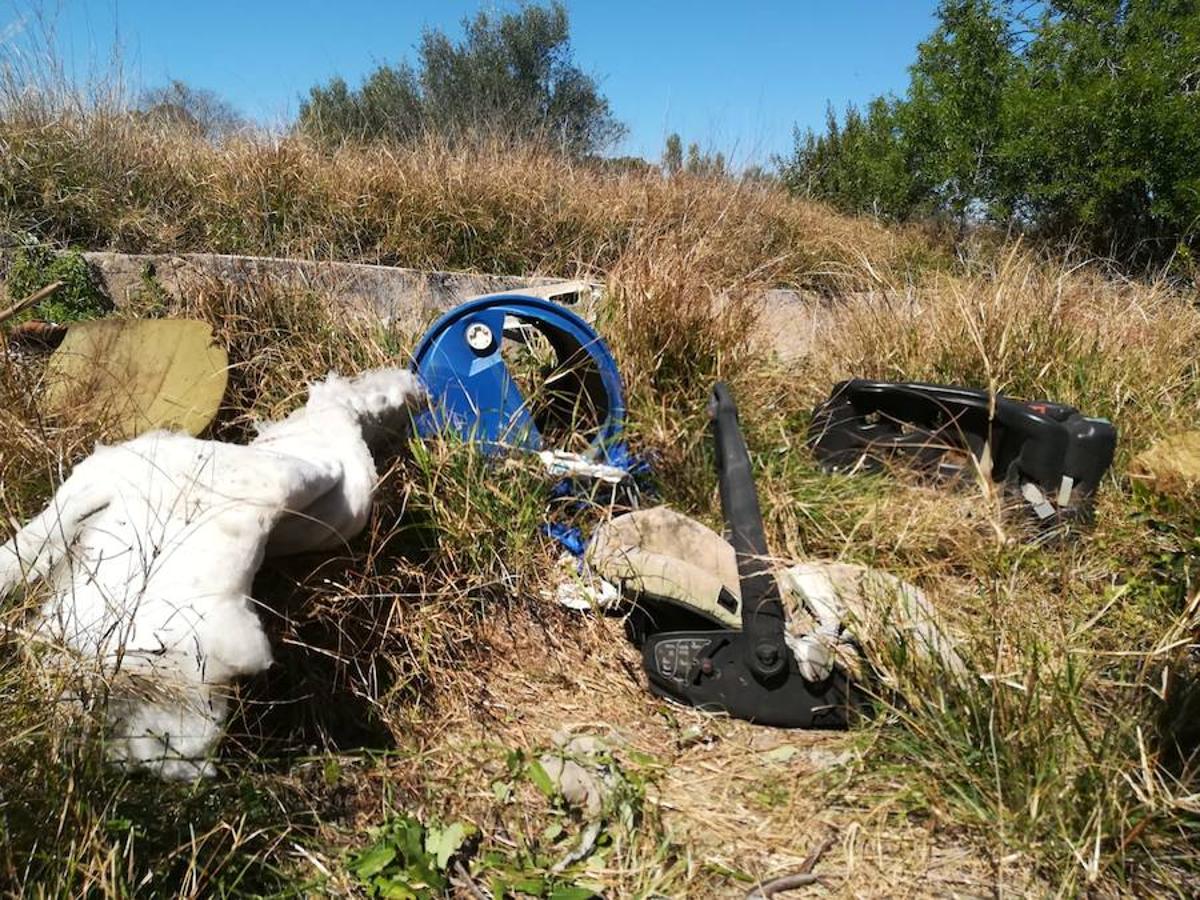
1050, 453
749, 674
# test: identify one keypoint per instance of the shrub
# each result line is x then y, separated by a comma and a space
81, 297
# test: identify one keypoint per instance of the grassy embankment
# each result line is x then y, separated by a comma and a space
420, 669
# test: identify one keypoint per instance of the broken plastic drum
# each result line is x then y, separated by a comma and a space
511, 370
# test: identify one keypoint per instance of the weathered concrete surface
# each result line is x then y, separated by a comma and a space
409, 298
790, 322
404, 296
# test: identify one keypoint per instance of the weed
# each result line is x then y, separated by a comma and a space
34, 266
151, 299
408, 859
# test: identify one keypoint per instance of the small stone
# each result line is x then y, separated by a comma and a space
691, 736
579, 787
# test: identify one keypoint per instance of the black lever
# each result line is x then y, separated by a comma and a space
749, 674
762, 610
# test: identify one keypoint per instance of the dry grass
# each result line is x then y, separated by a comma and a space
104, 180
738, 804
1057, 755
416, 662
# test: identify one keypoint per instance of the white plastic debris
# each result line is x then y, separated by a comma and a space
583, 591
561, 464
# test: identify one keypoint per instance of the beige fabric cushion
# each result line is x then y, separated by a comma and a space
823, 597
832, 607
661, 553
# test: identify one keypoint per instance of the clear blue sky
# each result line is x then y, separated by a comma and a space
732, 76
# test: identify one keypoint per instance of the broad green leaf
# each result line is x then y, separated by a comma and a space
372, 862
571, 892
410, 835
443, 843
397, 890
643, 759
528, 885
541, 780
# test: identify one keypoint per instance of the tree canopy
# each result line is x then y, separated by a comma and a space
698, 162
201, 111
1074, 119
511, 76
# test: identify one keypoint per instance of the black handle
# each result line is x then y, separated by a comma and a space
762, 610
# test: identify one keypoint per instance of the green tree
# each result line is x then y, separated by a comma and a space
197, 110
672, 161
861, 164
1080, 123
387, 106
1102, 126
951, 122
701, 163
510, 76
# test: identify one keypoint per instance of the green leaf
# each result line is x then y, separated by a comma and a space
394, 889
332, 772
727, 872
571, 892
514, 760
410, 838
643, 759
528, 885
541, 780
372, 862
443, 843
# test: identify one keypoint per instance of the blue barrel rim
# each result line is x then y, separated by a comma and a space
610, 430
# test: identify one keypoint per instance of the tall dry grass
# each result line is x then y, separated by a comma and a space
1067, 757
1070, 750
108, 180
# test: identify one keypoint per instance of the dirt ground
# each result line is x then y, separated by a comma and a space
738, 798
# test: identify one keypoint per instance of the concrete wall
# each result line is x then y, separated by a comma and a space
410, 298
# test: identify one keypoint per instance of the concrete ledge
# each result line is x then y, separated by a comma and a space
410, 298
404, 296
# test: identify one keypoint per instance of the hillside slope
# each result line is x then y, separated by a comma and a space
422, 671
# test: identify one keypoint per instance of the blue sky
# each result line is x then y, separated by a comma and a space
732, 77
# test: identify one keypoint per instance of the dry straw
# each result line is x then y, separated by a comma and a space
429, 641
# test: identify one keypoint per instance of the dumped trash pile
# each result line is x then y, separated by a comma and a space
410, 663
723, 625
